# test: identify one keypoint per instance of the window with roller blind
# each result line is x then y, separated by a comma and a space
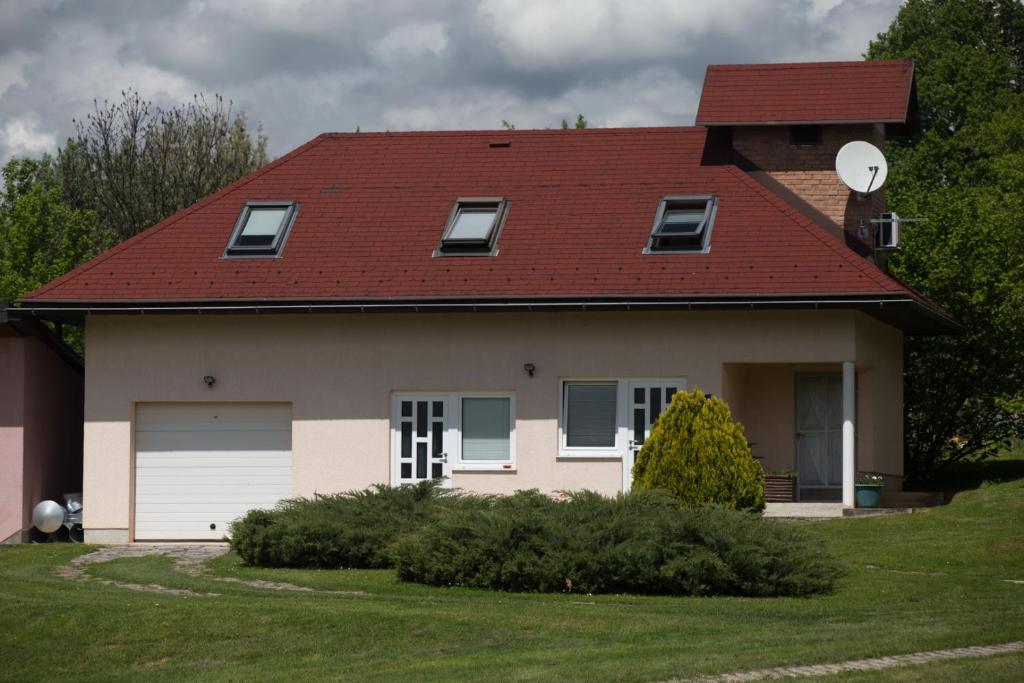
595, 415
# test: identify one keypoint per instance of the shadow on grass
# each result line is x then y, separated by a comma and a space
969, 476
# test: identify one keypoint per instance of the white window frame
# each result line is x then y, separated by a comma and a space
623, 412
453, 430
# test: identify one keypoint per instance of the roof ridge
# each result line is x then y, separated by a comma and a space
171, 220
840, 249
614, 130
841, 62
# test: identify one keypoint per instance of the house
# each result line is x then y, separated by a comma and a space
41, 394
507, 309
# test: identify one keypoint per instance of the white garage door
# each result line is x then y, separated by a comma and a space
198, 466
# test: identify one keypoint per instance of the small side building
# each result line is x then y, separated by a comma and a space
41, 399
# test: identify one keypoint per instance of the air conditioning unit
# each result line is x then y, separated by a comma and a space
887, 232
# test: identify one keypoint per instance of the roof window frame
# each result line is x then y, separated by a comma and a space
488, 246
706, 227
273, 250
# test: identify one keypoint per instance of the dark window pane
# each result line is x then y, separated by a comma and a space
436, 471
421, 460
421, 418
590, 415
406, 470
639, 425
407, 439
438, 408
255, 240
655, 403
437, 436
669, 393
638, 395
406, 408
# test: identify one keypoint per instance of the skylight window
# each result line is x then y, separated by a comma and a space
261, 229
682, 224
473, 226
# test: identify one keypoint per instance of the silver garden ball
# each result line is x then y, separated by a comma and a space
48, 516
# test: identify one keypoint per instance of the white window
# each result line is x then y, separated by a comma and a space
433, 435
599, 417
590, 414
486, 429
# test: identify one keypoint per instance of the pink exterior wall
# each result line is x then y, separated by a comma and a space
40, 430
12, 399
339, 372
54, 396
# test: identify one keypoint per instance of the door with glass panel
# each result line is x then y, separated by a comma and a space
646, 401
420, 439
819, 436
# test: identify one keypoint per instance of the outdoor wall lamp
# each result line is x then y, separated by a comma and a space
210, 380
530, 368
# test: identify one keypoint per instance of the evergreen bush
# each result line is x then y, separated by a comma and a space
643, 542
351, 529
699, 454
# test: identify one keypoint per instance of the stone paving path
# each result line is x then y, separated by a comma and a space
875, 664
188, 559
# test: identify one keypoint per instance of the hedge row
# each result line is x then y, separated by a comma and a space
643, 542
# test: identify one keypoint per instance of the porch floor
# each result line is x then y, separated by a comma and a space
825, 511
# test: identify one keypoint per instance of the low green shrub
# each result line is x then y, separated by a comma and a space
699, 454
351, 529
643, 542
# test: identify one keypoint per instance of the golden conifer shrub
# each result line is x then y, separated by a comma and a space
699, 454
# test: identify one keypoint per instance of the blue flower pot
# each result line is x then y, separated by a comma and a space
868, 495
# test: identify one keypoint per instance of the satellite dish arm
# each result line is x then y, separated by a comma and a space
874, 174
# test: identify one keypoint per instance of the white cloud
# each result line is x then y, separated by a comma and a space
22, 138
304, 67
410, 42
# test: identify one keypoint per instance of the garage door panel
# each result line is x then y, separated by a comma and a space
214, 459
207, 416
231, 440
206, 464
203, 496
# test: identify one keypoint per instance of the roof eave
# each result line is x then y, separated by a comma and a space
899, 310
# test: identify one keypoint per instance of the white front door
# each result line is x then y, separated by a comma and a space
419, 439
819, 436
646, 400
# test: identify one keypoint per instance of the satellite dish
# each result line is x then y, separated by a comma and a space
861, 166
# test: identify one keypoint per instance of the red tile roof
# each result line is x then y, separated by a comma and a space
581, 205
813, 92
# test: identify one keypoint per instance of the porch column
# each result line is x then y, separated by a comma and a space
849, 447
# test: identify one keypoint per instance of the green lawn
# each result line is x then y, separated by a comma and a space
926, 581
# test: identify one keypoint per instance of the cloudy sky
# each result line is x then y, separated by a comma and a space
302, 67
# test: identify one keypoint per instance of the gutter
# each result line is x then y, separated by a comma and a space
900, 311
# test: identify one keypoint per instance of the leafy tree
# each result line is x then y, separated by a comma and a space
135, 164
965, 174
580, 123
41, 238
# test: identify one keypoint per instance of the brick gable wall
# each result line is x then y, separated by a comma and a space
810, 170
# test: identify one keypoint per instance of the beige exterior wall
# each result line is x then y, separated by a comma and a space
763, 398
339, 372
12, 410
